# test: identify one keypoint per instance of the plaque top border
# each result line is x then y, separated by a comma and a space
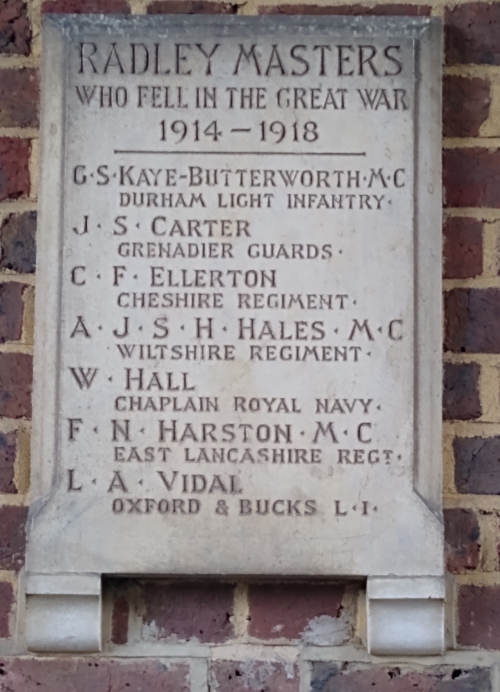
359, 26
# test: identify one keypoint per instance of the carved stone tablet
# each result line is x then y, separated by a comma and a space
237, 365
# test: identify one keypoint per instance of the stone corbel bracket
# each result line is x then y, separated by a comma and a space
406, 616
64, 613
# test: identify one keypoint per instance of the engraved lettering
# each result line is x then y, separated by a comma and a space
74, 427
72, 482
84, 376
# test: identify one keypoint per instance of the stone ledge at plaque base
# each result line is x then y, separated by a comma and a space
245, 313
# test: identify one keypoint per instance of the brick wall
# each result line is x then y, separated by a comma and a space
192, 636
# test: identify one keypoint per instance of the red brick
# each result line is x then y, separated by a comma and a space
14, 168
16, 375
119, 621
254, 676
471, 177
463, 247
191, 7
477, 467
356, 9
6, 603
461, 534
15, 32
19, 93
12, 536
11, 311
466, 105
17, 242
329, 677
461, 391
472, 320
288, 611
472, 34
92, 675
479, 616
84, 6
189, 610
8, 446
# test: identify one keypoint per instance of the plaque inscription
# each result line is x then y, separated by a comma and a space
237, 365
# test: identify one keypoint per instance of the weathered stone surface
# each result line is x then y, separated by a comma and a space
19, 94
12, 536
199, 611
479, 616
463, 247
471, 177
11, 311
14, 171
477, 470
466, 105
462, 540
472, 320
312, 612
461, 391
15, 30
328, 677
472, 34
17, 243
8, 446
16, 374
251, 675
101, 675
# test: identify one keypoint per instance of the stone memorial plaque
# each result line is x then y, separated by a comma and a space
237, 366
